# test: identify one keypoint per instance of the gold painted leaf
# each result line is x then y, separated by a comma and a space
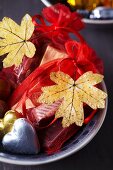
14, 40
74, 94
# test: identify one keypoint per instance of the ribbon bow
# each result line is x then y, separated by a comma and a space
59, 22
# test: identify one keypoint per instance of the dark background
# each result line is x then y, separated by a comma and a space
98, 154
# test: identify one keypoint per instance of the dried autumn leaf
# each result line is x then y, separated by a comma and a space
74, 94
14, 40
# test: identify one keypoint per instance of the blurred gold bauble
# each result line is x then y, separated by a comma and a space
7, 122
89, 4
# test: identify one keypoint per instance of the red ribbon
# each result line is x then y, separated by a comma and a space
27, 87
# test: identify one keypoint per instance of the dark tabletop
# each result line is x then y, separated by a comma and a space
98, 154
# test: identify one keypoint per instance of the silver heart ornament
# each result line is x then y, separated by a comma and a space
22, 139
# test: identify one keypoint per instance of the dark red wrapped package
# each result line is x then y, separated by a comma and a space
43, 115
53, 137
15, 75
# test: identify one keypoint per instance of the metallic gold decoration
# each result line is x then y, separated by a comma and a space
14, 40
89, 4
74, 94
71, 2
7, 122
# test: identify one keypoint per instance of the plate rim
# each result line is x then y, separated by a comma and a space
99, 22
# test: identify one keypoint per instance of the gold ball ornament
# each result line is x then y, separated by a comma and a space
7, 122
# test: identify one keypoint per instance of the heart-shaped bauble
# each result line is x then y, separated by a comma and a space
22, 139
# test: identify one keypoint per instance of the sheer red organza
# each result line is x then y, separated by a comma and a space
52, 28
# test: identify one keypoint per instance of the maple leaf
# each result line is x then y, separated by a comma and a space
74, 94
14, 40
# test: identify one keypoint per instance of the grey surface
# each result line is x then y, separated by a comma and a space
99, 153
